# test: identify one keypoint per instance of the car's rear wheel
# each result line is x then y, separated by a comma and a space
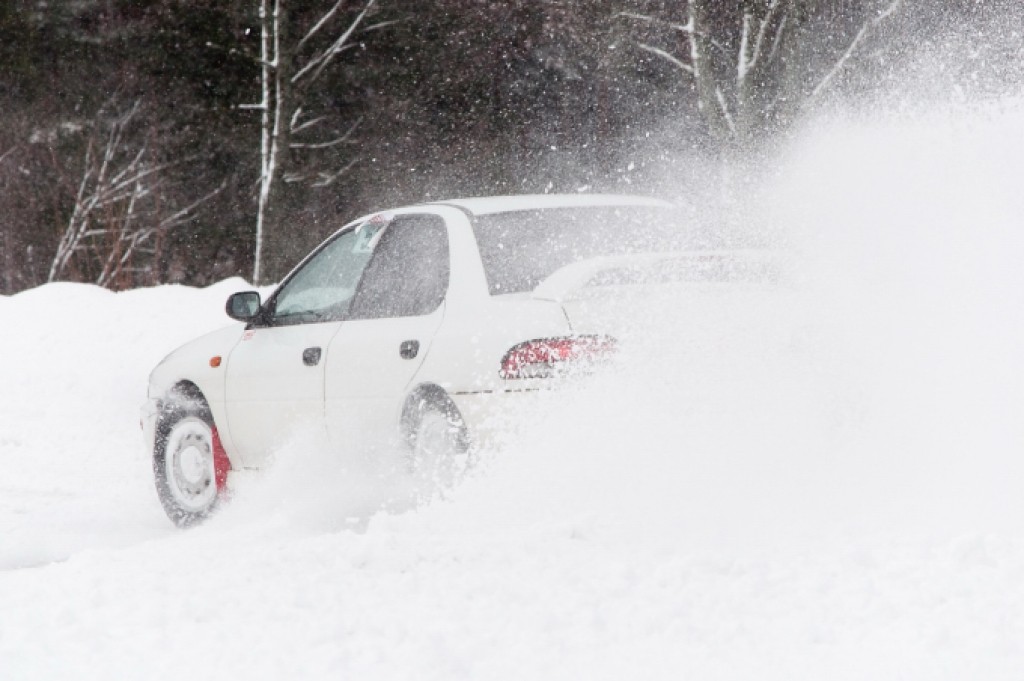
440, 453
184, 463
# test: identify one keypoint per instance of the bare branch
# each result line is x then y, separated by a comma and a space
308, 124
777, 40
322, 145
119, 202
689, 29
667, 57
685, 28
326, 179
742, 59
109, 269
295, 117
854, 46
129, 167
187, 213
319, 63
766, 22
724, 107
69, 241
379, 25
320, 24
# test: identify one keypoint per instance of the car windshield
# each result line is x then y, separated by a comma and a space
521, 249
323, 289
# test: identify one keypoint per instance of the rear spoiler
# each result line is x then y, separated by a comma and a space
687, 266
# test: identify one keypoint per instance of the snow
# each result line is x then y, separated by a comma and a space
821, 481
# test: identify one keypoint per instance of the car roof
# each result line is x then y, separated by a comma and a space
486, 205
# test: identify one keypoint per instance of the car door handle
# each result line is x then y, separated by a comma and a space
409, 349
311, 356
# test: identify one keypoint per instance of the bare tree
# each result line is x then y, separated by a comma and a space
737, 61
121, 210
289, 69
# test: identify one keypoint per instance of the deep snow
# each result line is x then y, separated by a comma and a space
820, 481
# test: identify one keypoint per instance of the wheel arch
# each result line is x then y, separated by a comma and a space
183, 394
425, 394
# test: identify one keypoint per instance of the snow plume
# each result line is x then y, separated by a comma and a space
310, 489
910, 234
875, 393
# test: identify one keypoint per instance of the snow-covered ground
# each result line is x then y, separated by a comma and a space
826, 481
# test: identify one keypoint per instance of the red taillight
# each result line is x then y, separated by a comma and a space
546, 357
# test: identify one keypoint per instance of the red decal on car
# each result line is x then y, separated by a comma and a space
221, 463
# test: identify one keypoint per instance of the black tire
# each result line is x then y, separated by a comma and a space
184, 464
438, 444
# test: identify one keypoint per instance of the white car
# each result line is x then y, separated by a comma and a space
406, 330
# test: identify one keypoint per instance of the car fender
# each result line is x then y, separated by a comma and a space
465, 356
201, 362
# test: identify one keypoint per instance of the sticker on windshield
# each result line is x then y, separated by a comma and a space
367, 233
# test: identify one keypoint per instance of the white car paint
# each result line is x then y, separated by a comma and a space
267, 384
368, 379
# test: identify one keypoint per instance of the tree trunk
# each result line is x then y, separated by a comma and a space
709, 95
277, 254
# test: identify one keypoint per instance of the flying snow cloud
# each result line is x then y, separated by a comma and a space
874, 392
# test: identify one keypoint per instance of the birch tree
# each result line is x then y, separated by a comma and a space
743, 66
291, 65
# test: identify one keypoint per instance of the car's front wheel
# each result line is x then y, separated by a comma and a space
184, 463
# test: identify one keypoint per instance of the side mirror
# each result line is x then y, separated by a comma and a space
243, 306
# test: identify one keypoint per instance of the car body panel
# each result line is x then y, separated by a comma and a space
190, 364
368, 377
271, 390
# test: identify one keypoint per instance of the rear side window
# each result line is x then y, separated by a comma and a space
408, 273
521, 249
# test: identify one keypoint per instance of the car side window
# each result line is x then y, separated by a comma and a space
408, 274
323, 289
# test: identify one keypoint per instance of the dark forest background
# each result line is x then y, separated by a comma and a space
130, 153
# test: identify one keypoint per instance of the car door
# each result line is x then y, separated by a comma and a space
396, 312
275, 375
